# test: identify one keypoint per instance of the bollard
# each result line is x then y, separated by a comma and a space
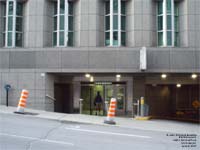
81, 106
106, 107
138, 107
142, 107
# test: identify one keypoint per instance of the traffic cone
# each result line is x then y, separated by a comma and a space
22, 102
111, 113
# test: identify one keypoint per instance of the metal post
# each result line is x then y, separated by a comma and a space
138, 107
7, 98
106, 107
142, 107
81, 106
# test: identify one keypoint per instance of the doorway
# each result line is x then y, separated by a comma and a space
107, 91
64, 98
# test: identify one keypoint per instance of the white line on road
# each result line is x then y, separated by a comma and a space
108, 133
39, 140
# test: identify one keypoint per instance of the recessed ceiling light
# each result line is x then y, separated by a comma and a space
118, 76
194, 76
178, 85
164, 76
87, 75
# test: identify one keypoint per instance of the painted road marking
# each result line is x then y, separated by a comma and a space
108, 133
39, 140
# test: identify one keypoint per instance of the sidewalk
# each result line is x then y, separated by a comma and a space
152, 125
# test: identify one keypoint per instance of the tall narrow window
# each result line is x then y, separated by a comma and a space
13, 24
167, 23
63, 23
115, 23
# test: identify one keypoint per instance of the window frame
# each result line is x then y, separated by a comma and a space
111, 29
66, 30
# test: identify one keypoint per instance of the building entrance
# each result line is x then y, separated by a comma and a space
107, 90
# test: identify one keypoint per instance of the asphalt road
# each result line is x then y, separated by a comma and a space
19, 132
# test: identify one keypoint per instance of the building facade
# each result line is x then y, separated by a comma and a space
48, 46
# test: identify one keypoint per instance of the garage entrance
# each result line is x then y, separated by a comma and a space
64, 98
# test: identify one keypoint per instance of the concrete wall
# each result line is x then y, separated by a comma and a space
38, 86
141, 23
180, 60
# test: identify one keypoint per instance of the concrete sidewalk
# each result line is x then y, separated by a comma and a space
152, 125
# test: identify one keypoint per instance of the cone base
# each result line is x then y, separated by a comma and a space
109, 122
17, 112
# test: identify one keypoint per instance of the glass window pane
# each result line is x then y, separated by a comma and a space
9, 39
18, 41
123, 7
62, 22
107, 22
160, 8
62, 6
123, 23
115, 6
169, 6
4, 24
70, 22
70, 39
10, 8
123, 38
54, 38
55, 8
61, 39
55, 22
107, 38
115, 38
160, 23
70, 8
176, 23
10, 23
169, 22
115, 22
19, 9
176, 10
107, 7
169, 38
160, 38
18, 24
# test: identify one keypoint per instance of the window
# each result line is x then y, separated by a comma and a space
115, 23
13, 24
167, 23
63, 23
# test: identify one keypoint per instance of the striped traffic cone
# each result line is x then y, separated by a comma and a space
111, 113
22, 102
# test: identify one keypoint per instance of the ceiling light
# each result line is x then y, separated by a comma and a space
178, 85
87, 75
118, 76
164, 76
194, 76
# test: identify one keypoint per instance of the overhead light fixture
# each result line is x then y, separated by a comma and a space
194, 76
118, 76
178, 85
163, 76
91, 79
87, 75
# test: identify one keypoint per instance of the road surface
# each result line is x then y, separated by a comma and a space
23, 132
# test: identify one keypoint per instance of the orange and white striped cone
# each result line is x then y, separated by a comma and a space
111, 113
22, 102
